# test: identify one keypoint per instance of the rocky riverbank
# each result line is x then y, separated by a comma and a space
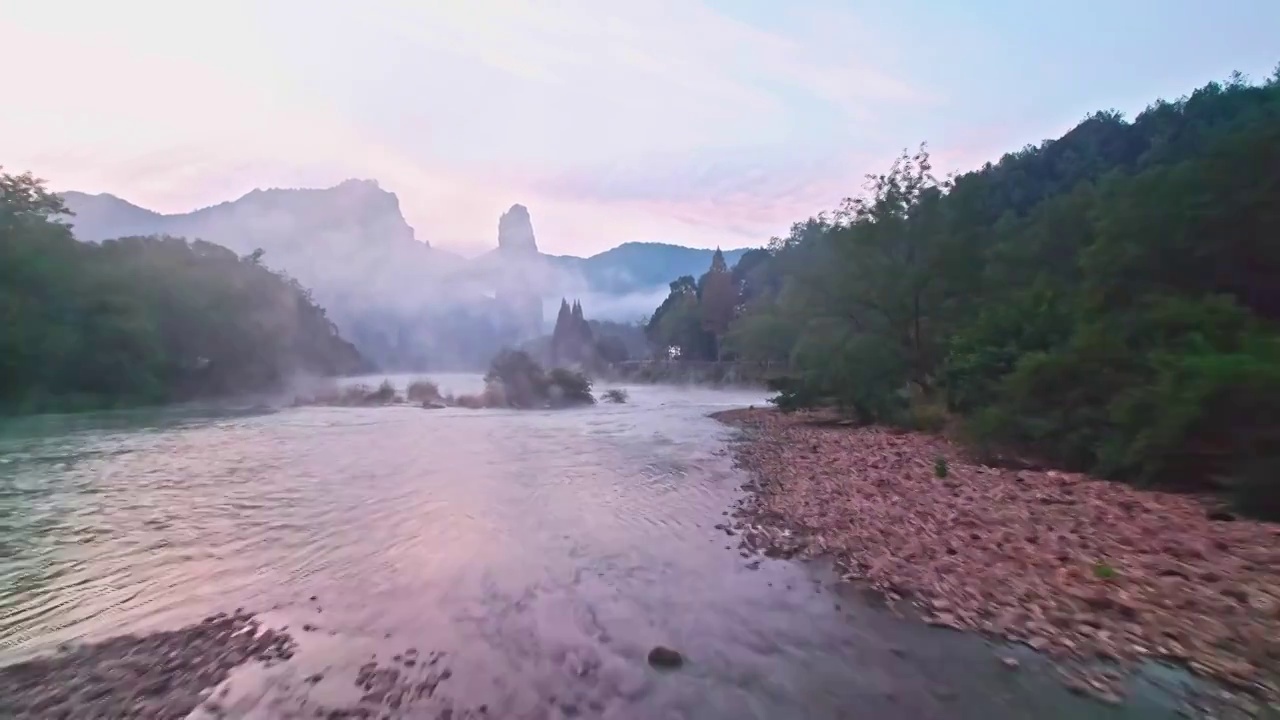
160, 676
1097, 575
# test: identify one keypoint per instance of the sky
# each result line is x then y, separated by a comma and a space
699, 122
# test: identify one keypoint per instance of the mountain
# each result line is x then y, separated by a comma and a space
638, 266
405, 304
352, 231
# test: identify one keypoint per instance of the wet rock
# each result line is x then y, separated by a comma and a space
666, 658
160, 675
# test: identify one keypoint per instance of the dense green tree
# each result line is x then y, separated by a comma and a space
696, 316
1106, 301
677, 323
142, 320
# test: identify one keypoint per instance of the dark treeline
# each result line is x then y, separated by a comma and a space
142, 320
590, 345
572, 342
1107, 301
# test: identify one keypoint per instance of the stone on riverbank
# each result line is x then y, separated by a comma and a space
163, 675
1080, 569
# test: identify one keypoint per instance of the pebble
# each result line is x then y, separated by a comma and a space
1018, 553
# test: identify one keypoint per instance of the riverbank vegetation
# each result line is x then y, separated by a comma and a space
143, 320
1106, 302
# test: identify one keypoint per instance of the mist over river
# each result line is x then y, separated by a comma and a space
539, 555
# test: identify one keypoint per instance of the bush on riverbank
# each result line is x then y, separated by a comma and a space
1104, 302
676, 372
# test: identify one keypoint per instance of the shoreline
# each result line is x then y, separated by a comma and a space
163, 674
230, 666
1098, 576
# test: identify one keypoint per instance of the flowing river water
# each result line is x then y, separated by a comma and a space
543, 553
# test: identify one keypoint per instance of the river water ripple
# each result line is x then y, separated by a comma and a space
544, 552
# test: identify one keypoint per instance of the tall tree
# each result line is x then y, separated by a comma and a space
719, 300
560, 333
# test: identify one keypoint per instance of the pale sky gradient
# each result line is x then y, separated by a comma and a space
704, 123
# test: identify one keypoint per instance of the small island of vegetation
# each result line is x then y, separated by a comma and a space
514, 380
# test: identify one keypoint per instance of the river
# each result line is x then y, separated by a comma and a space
544, 553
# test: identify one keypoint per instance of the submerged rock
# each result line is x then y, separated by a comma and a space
664, 657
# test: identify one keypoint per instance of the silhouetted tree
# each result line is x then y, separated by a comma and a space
718, 302
571, 339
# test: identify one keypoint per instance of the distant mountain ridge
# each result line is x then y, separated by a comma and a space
625, 268
635, 265
403, 302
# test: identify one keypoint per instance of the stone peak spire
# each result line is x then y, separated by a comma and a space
515, 230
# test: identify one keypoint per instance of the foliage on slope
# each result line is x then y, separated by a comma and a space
1108, 301
143, 319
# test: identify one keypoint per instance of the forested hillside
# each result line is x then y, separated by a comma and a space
1107, 301
142, 319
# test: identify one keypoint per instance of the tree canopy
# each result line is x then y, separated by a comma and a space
1107, 301
694, 318
142, 320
